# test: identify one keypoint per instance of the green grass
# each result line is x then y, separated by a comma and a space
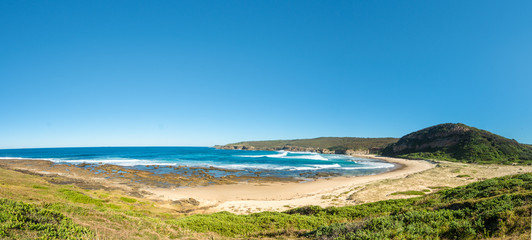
22, 220
412, 192
290, 223
78, 197
463, 176
113, 206
128, 200
259, 224
39, 187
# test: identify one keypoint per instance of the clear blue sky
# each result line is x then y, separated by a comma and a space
115, 73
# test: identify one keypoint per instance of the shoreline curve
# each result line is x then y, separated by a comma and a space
277, 196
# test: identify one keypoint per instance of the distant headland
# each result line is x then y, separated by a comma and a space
449, 141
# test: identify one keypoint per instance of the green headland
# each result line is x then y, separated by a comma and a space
448, 141
459, 142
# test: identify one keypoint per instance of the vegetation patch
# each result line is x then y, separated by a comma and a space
290, 223
79, 197
113, 206
412, 192
497, 207
463, 176
22, 220
39, 187
128, 200
460, 143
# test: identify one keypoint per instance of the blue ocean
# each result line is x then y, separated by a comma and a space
273, 163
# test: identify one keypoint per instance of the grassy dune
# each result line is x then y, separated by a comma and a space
83, 214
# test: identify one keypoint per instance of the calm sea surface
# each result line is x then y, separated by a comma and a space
269, 163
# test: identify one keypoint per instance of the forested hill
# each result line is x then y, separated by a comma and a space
459, 142
322, 144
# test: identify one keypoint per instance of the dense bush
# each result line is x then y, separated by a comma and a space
37, 223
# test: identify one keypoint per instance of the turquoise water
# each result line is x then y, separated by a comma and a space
269, 163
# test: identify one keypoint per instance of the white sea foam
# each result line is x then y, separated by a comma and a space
118, 161
310, 167
336, 165
371, 165
313, 157
280, 154
284, 154
21, 158
315, 167
249, 166
344, 157
303, 152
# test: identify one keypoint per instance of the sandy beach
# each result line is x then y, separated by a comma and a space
262, 194
273, 196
